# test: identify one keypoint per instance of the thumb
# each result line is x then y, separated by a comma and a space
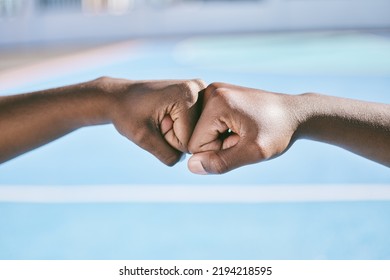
222, 161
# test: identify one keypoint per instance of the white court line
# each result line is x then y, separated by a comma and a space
193, 194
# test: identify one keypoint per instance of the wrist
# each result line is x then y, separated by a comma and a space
302, 106
321, 116
109, 93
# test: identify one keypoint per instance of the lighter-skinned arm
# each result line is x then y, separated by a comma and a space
240, 126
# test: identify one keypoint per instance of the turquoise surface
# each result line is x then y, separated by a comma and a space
349, 64
358, 230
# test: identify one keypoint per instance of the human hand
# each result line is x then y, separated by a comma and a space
158, 116
262, 126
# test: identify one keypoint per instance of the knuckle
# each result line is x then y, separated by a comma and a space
188, 91
199, 83
217, 90
186, 86
220, 92
102, 82
103, 78
212, 87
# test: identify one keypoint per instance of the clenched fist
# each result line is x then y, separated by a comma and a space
240, 126
159, 116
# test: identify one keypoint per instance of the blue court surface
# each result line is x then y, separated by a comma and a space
94, 195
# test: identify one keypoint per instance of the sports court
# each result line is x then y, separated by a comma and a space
94, 195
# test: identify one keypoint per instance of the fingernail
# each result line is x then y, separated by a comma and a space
196, 167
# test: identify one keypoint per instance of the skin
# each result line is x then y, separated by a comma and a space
159, 116
237, 126
241, 126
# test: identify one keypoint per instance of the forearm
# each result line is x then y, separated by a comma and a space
30, 120
360, 127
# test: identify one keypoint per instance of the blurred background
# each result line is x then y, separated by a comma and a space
24, 21
94, 195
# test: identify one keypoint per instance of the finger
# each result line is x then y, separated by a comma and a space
167, 131
230, 141
183, 125
207, 135
166, 124
211, 89
153, 141
222, 161
208, 130
185, 116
